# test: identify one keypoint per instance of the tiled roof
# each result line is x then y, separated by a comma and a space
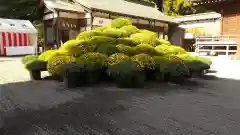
115, 6
125, 7
63, 5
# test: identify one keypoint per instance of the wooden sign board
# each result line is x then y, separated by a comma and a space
97, 21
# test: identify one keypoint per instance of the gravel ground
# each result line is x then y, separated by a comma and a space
12, 70
206, 106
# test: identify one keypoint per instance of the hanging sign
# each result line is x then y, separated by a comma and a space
101, 21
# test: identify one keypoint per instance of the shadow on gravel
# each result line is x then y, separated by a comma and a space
46, 108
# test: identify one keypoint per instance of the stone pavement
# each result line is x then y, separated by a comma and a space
207, 106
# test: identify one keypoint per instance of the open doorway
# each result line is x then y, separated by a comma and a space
64, 35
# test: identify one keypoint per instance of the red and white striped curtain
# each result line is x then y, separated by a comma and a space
13, 39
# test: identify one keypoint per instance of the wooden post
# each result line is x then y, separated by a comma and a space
227, 50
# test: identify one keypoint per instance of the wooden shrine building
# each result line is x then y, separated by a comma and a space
64, 19
229, 10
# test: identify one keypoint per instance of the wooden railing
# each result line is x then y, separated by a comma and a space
217, 44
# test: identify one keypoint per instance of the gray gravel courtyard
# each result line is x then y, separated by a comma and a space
207, 106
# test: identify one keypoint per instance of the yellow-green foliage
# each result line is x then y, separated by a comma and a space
128, 50
82, 48
56, 61
129, 30
145, 48
126, 41
164, 49
94, 58
112, 32
169, 50
107, 49
120, 22
145, 37
117, 58
163, 42
186, 57
98, 40
70, 44
203, 60
144, 61
86, 35
28, 58
179, 50
161, 62
46, 55
101, 29
175, 59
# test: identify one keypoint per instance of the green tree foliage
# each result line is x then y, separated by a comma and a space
19, 9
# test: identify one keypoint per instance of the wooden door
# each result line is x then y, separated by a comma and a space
231, 24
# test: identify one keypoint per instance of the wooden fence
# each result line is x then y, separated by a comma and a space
223, 44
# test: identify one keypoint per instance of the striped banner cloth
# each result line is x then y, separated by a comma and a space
13, 39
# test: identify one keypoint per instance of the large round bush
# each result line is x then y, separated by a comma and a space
144, 38
144, 61
56, 61
107, 49
144, 48
95, 59
128, 50
98, 40
120, 22
28, 58
70, 44
116, 58
112, 32
126, 41
46, 54
126, 74
129, 30
87, 35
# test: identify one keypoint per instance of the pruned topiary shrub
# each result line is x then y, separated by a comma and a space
28, 58
95, 65
107, 49
87, 35
163, 42
126, 74
101, 29
113, 32
170, 50
145, 38
161, 63
67, 46
173, 68
56, 61
74, 75
99, 40
120, 22
35, 67
116, 58
46, 55
126, 41
195, 64
144, 61
145, 48
98, 60
129, 30
128, 50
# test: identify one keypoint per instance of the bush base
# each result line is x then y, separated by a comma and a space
35, 74
70, 82
135, 81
